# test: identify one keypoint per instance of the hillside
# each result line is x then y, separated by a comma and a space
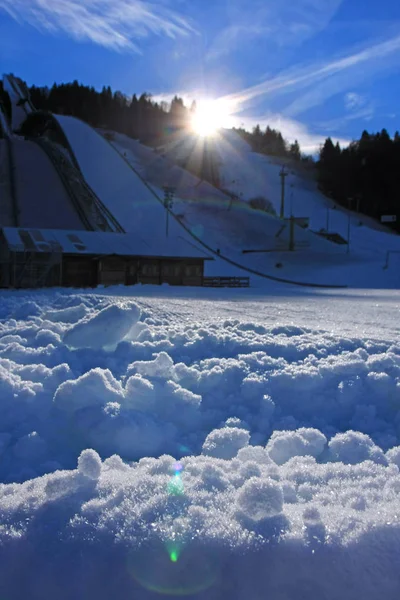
234, 226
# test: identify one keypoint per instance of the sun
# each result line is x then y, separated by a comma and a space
209, 117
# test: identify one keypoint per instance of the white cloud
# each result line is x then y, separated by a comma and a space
291, 130
283, 23
232, 36
354, 101
362, 64
111, 23
364, 114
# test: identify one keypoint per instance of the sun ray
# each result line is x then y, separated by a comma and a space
210, 116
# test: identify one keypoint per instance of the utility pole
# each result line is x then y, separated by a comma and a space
168, 204
348, 236
291, 234
283, 174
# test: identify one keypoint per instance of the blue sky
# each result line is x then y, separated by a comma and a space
310, 67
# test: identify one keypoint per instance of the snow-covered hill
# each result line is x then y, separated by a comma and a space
234, 227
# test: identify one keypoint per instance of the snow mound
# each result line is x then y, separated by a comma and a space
89, 464
225, 443
283, 445
260, 499
105, 329
354, 447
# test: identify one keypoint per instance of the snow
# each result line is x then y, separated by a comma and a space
237, 444
205, 443
205, 216
260, 499
108, 327
233, 227
127, 197
89, 464
225, 443
284, 445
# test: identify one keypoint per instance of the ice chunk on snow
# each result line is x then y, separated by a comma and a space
96, 387
355, 447
105, 329
260, 499
160, 367
89, 464
284, 445
226, 442
72, 314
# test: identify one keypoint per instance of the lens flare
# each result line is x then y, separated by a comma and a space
172, 570
209, 116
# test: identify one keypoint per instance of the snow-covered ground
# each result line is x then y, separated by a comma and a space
215, 444
249, 175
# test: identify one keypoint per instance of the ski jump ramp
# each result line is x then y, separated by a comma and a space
117, 185
42, 201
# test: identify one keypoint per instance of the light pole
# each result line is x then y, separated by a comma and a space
168, 204
348, 236
283, 174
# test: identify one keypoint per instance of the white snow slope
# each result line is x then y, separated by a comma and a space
219, 224
200, 443
233, 227
248, 175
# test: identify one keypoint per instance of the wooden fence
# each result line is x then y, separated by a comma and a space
232, 282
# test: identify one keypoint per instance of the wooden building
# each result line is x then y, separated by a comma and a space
31, 258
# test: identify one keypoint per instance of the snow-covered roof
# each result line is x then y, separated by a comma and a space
98, 243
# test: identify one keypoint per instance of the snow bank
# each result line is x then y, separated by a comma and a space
142, 451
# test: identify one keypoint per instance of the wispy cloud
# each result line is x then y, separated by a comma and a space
234, 35
370, 59
354, 101
115, 24
281, 23
364, 114
291, 130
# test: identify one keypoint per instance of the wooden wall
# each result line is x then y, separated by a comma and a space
83, 271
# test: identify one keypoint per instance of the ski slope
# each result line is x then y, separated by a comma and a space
234, 227
119, 188
128, 178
